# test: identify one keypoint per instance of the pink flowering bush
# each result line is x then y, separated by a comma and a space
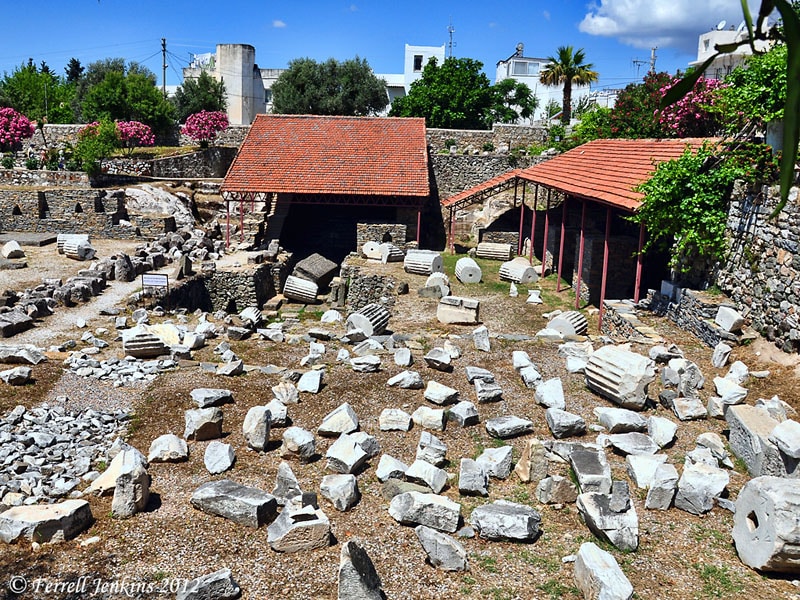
694, 115
134, 134
14, 127
204, 126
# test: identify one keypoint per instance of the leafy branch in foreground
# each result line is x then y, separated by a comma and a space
789, 33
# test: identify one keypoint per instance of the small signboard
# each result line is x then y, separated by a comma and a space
155, 280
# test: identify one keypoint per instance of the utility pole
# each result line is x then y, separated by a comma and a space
164, 66
653, 60
451, 30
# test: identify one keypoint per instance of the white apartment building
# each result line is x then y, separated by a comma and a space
724, 64
527, 70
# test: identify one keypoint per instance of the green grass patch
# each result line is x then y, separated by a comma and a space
548, 565
718, 582
556, 590
487, 563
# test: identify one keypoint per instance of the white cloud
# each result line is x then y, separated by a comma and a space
663, 23
546, 15
278, 24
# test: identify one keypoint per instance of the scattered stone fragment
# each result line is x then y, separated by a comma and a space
402, 357
442, 550
661, 430
765, 524
464, 413
46, 522
474, 373
368, 443
340, 420
431, 449
256, 427
440, 394
358, 579
168, 448
689, 409
286, 485
620, 420
219, 457
698, 486
218, 585
438, 359
390, 468
124, 460
663, 487
278, 413
620, 375
532, 465
488, 391
722, 352
286, 392
310, 381
786, 436
591, 469
231, 369
611, 517
394, 419
203, 424
345, 455
457, 310
299, 529
633, 443
530, 376
715, 443
425, 473
366, 364
429, 418
556, 490
738, 373
472, 479
642, 467
598, 575
508, 426
341, 490
298, 443
729, 319
407, 380
432, 510
750, 430
496, 461
480, 337
550, 393
239, 503
564, 424
16, 376
729, 391
504, 520
520, 360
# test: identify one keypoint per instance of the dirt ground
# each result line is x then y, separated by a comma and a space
681, 556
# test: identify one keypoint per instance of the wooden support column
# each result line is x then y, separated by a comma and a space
639, 261
451, 234
533, 223
546, 227
605, 267
580, 256
561, 243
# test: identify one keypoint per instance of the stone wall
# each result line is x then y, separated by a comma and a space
381, 232
694, 312
233, 136
366, 289
235, 290
458, 172
762, 275
76, 211
500, 237
512, 136
210, 163
43, 178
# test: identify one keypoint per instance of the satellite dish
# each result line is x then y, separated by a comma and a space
741, 27
520, 48
721, 25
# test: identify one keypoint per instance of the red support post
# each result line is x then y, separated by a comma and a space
419, 223
561, 244
639, 264
605, 266
241, 220
227, 223
451, 234
580, 256
521, 216
533, 223
546, 227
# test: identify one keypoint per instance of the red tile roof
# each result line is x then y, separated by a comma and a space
603, 171
309, 154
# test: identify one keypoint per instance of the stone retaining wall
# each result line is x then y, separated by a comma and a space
233, 291
458, 172
512, 136
76, 211
381, 232
26, 178
694, 312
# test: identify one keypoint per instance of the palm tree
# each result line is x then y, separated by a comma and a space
567, 67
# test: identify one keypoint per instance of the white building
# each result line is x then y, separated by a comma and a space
235, 66
416, 58
527, 70
724, 64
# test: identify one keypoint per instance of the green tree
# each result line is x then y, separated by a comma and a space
37, 93
74, 70
594, 124
456, 95
567, 68
512, 100
95, 142
635, 112
757, 89
329, 88
195, 95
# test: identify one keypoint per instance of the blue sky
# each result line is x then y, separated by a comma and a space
613, 33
